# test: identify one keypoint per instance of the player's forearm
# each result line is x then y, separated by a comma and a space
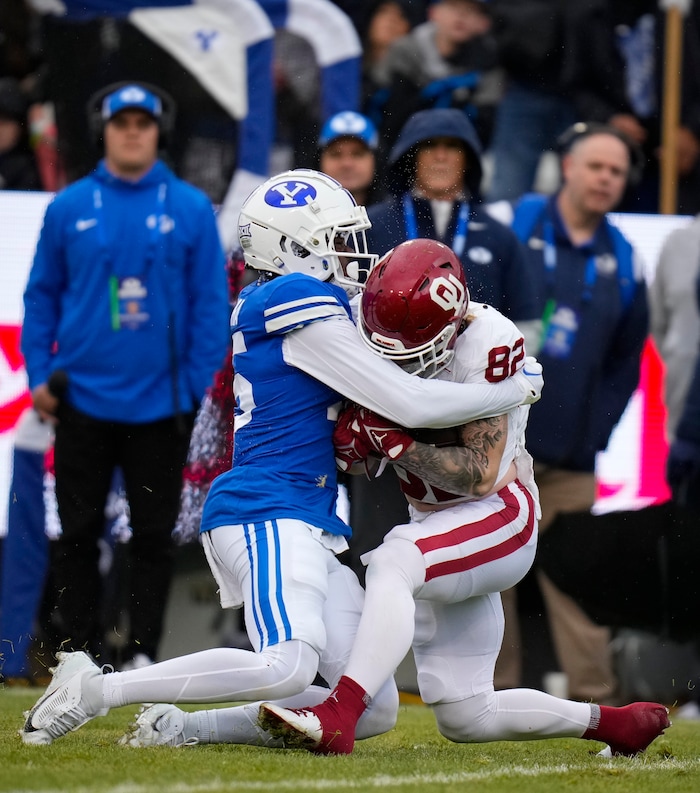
471, 469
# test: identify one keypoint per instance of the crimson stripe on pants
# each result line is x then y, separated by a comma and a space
470, 531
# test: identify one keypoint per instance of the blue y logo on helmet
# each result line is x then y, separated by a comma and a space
290, 194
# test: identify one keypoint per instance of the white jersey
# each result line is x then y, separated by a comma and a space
488, 351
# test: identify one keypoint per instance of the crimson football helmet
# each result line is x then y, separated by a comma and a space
413, 304
302, 221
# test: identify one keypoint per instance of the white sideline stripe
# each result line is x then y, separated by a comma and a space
384, 781
293, 319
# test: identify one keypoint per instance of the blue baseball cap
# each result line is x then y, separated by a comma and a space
131, 97
348, 124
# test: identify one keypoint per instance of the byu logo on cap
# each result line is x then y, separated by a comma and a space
131, 97
290, 194
132, 93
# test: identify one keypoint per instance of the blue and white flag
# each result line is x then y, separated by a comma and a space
228, 46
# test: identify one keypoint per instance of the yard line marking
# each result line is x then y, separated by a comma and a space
387, 782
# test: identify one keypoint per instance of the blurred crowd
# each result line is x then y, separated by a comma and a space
522, 70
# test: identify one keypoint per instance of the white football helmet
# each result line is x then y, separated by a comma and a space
303, 221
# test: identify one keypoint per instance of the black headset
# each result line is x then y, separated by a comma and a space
166, 121
585, 129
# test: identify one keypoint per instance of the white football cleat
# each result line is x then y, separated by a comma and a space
299, 729
159, 725
64, 706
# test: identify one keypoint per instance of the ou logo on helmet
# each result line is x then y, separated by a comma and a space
448, 292
290, 194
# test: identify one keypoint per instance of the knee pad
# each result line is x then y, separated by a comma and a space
400, 558
466, 720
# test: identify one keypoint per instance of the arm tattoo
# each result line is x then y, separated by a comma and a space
465, 470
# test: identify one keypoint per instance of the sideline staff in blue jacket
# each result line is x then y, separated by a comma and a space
126, 321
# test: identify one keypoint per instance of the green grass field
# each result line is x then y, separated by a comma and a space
412, 757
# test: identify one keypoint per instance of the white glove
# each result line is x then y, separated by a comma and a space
530, 380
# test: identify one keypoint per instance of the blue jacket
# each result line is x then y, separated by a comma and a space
587, 390
492, 256
97, 232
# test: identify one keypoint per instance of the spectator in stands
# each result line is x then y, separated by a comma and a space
434, 172
619, 52
347, 146
383, 23
18, 167
449, 61
675, 319
536, 107
119, 354
592, 299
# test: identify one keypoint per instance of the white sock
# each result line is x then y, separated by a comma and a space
239, 724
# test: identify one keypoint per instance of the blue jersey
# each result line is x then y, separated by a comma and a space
283, 460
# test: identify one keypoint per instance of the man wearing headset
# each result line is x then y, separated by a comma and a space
126, 320
593, 303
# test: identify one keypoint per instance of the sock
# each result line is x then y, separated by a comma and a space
93, 694
627, 730
198, 725
348, 697
339, 715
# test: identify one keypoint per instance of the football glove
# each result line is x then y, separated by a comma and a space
374, 434
349, 447
530, 380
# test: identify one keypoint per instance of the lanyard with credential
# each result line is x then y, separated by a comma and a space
149, 258
460, 237
154, 227
550, 267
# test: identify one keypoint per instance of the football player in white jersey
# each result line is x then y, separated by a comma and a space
269, 527
434, 582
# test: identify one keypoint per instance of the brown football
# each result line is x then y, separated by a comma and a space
449, 436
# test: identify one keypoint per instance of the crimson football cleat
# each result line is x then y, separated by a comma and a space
301, 728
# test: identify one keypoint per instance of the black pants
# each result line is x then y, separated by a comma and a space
151, 457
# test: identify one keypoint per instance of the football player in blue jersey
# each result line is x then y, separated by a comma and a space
269, 528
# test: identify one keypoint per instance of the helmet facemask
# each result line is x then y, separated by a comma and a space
426, 360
